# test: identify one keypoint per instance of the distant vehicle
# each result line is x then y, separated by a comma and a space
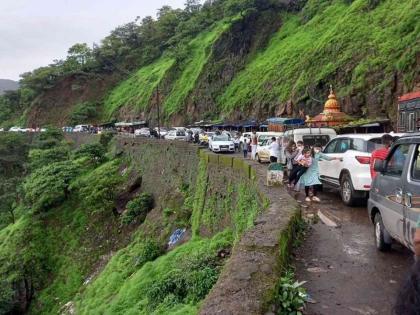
67, 129
352, 174
205, 137
81, 128
142, 132
221, 143
268, 135
175, 135
310, 136
394, 201
17, 129
163, 131
263, 153
1, 129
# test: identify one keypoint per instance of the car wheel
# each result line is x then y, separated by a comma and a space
379, 234
347, 191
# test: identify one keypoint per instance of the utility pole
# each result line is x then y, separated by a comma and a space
158, 109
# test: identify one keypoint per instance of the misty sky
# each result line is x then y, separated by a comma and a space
35, 32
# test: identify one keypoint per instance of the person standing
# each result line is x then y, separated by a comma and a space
254, 143
274, 149
245, 147
290, 152
380, 154
304, 161
310, 179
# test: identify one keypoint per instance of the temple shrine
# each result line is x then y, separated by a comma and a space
331, 116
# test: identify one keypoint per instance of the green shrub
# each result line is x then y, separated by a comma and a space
290, 298
48, 186
39, 158
83, 113
95, 152
50, 138
99, 188
138, 207
106, 137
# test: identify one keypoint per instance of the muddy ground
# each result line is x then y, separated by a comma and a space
345, 273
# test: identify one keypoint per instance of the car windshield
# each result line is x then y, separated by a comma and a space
311, 140
221, 138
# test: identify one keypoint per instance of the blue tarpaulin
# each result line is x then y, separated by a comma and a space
285, 121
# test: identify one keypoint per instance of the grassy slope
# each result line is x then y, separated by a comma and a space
338, 38
136, 91
199, 51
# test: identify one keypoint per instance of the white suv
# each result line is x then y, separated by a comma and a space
352, 174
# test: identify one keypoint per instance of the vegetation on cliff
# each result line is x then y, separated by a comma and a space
87, 235
367, 49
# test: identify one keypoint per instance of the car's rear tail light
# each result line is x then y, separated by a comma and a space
363, 159
366, 186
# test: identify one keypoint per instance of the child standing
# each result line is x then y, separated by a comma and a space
304, 161
310, 179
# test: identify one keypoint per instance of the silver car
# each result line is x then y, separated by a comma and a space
394, 202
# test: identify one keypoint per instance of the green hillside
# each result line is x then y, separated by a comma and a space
352, 46
234, 59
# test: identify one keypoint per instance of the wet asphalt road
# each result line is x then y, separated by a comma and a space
345, 273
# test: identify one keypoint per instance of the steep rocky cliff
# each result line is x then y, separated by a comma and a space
254, 64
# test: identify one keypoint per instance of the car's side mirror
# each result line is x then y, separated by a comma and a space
379, 166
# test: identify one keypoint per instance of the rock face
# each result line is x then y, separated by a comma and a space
275, 62
8, 85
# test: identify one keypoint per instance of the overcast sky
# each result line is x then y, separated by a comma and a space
35, 32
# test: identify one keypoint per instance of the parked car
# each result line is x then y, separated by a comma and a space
351, 174
268, 135
394, 201
205, 137
142, 132
175, 135
310, 136
17, 129
221, 143
163, 131
263, 153
81, 128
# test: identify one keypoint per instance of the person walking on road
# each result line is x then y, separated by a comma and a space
274, 149
310, 179
254, 143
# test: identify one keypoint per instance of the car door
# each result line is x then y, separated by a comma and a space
412, 196
389, 191
330, 170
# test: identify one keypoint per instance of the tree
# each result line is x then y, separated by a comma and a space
9, 197
48, 186
192, 7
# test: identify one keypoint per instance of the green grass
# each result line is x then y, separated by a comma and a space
149, 288
338, 40
136, 92
199, 52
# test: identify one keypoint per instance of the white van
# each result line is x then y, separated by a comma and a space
310, 136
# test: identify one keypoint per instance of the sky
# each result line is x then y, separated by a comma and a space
35, 32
